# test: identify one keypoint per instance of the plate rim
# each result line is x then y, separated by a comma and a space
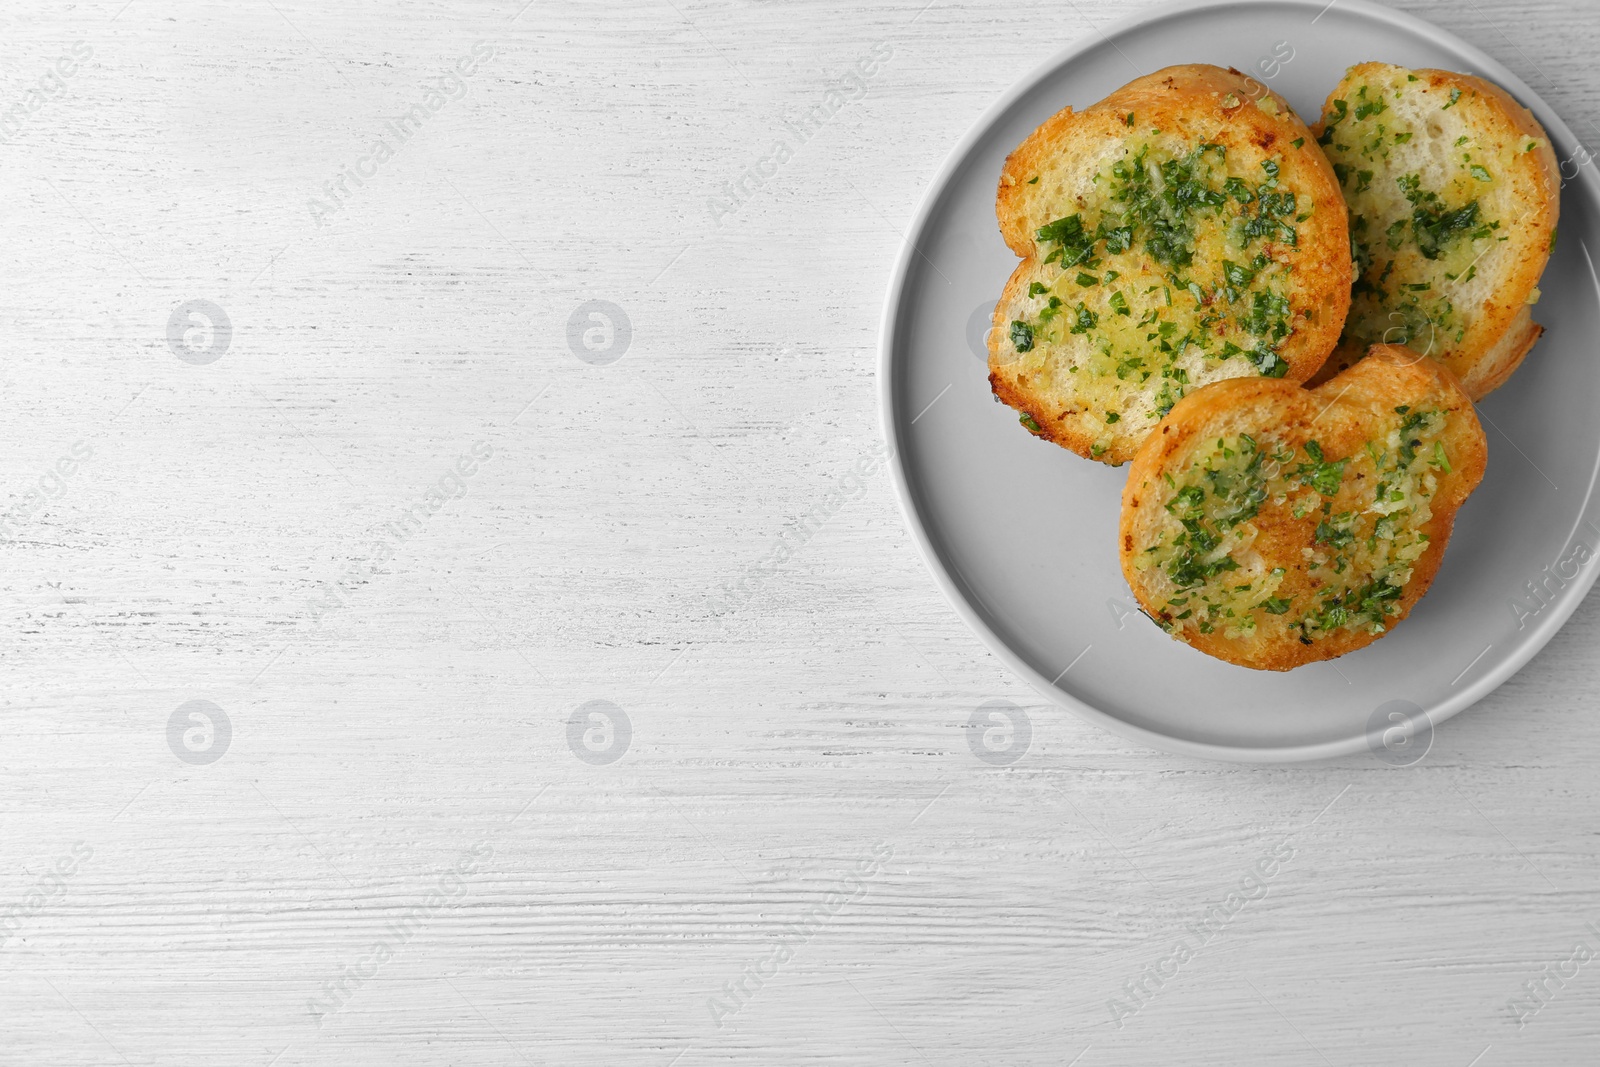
1553, 618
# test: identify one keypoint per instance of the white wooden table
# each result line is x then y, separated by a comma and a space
398, 527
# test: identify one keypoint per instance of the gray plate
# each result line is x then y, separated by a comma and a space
1021, 535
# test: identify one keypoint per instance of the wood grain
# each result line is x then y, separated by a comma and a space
418, 726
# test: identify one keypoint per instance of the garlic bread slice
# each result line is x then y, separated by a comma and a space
1179, 232
1454, 195
1273, 526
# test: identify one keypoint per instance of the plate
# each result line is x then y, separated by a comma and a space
1021, 534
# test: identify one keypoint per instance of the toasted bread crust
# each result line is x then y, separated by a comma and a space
1342, 415
1494, 314
1050, 174
1494, 368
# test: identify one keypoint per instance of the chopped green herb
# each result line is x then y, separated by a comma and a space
1269, 363
1320, 474
1434, 227
1236, 188
1334, 536
1084, 321
1396, 234
1075, 244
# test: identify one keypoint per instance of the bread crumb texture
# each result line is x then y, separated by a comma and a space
1178, 233
1453, 194
1273, 526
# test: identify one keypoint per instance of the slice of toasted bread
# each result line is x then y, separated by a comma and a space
1272, 526
1454, 193
1179, 232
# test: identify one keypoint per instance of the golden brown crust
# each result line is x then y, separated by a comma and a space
1346, 354
1501, 331
1339, 414
1029, 158
1495, 367
1196, 104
